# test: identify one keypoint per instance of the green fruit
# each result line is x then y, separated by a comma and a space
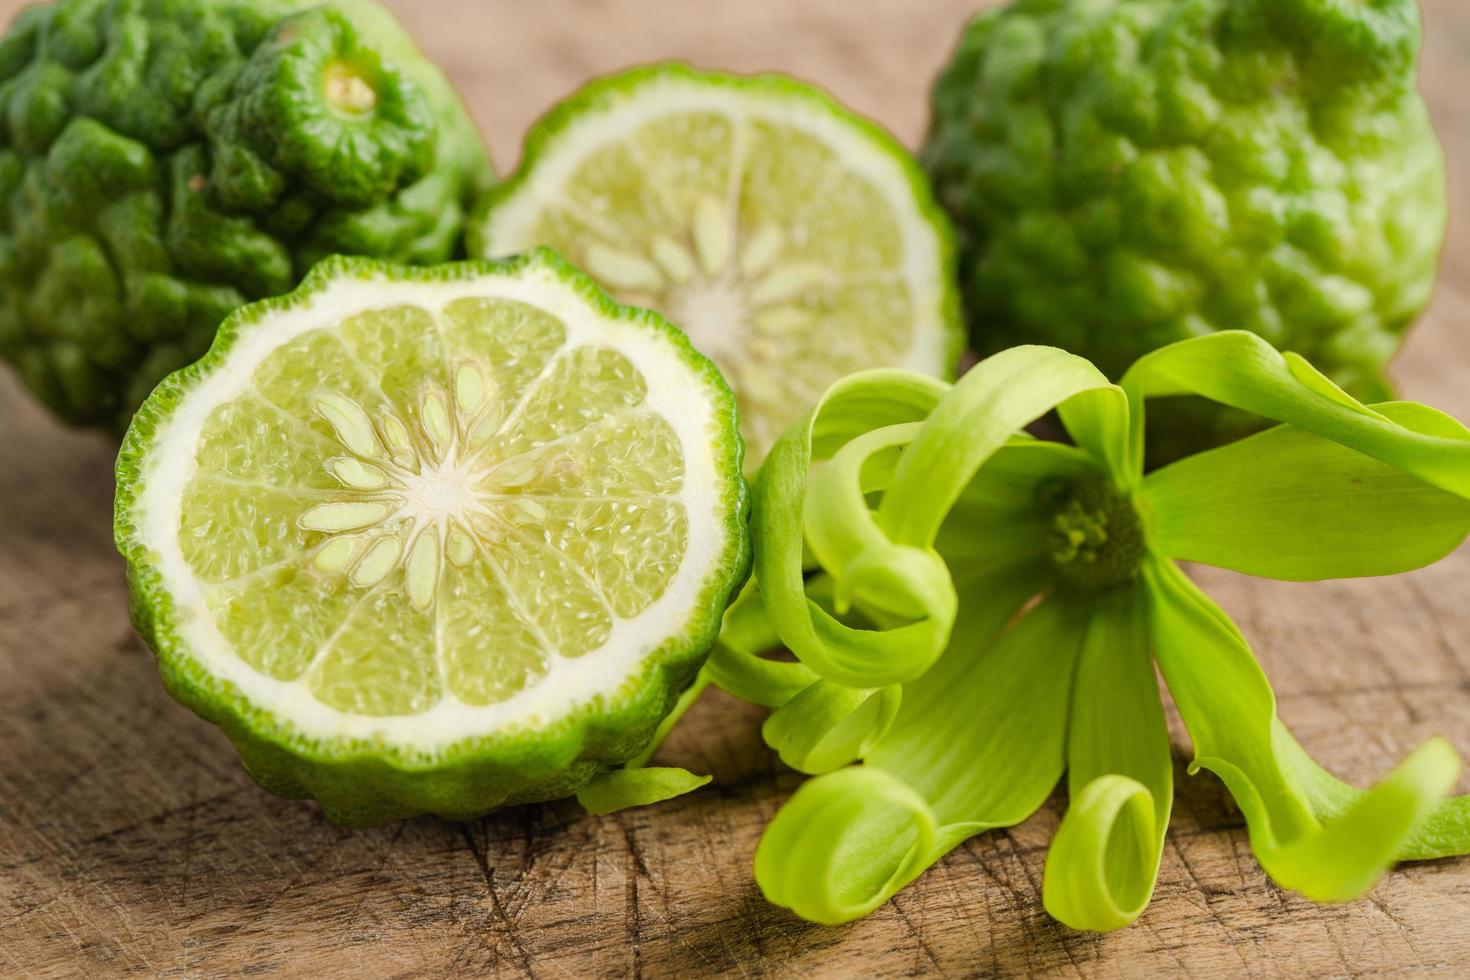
794, 241
1126, 174
434, 539
164, 161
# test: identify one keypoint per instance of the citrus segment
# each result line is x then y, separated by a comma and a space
380, 660
499, 652
231, 528
278, 630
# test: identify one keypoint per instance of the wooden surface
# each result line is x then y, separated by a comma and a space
132, 843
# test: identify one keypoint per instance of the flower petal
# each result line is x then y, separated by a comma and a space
1104, 860
852, 408
1239, 369
750, 677
830, 725
1098, 422
736, 666
979, 742
1230, 712
1444, 832
921, 446
1289, 504
997, 397
1359, 844
844, 844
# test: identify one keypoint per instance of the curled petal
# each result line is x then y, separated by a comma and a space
979, 742
1347, 856
1327, 841
902, 581
998, 397
753, 678
830, 725
850, 655
844, 844
1101, 868
1103, 863
735, 664
1239, 369
1445, 832
921, 446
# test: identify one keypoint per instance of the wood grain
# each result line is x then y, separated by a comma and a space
132, 843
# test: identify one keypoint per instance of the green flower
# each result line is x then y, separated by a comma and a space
976, 612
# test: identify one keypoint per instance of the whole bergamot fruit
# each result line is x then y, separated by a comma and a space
1128, 173
164, 161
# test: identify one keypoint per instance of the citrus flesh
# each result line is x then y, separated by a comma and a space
401, 514
793, 241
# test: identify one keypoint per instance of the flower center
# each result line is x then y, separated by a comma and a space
1096, 539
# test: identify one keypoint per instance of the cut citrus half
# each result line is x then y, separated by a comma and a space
434, 539
794, 241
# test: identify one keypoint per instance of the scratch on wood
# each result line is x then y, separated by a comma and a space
488, 874
633, 916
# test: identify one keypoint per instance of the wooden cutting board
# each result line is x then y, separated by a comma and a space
132, 843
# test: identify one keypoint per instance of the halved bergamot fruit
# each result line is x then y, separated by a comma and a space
794, 241
434, 539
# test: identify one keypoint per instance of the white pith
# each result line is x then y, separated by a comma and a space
720, 309
715, 304
674, 391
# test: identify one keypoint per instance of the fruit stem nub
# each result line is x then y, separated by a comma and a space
347, 90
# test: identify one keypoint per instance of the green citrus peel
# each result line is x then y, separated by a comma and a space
163, 163
985, 613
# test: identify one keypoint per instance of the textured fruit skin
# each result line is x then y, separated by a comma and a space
164, 161
1128, 173
361, 782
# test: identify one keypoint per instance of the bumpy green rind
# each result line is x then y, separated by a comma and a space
164, 161
1126, 174
362, 782
602, 93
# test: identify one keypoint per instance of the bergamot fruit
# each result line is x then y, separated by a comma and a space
794, 241
434, 539
1127, 174
164, 161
